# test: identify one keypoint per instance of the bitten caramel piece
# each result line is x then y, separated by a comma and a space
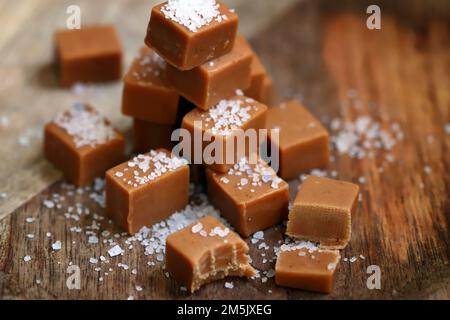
146, 190
222, 123
146, 93
261, 86
322, 212
306, 269
83, 144
90, 54
303, 141
204, 252
250, 196
151, 136
218, 79
188, 34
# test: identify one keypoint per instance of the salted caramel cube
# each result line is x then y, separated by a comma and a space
250, 196
322, 212
151, 136
303, 142
146, 190
146, 93
188, 34
306, 270
261, 85
90, 54
213, 81
204, 252
83, 144
222, 122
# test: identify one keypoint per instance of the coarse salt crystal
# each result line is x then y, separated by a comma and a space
197, 228
229, 285
27, 258
56, 245
115, 251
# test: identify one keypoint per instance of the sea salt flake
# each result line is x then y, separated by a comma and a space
56, 245
115, 251
229, 285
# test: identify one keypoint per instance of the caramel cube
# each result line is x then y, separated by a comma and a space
204, 252
303, 141
151, 136
222, 122
146, 93
250, 196
188, 34
213, 81
83, 144
146, 190
322, 212
90, 54
307, 270
261, 85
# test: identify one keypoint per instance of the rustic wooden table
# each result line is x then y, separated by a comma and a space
316, 51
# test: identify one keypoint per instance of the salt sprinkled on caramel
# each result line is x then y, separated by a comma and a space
87, 127
193, 14
160, 163
253, 175
228, 115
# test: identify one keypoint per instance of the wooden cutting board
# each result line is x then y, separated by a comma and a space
316, 51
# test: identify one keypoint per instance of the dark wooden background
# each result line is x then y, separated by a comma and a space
316, 51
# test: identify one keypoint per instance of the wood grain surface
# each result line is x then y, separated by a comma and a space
317, 51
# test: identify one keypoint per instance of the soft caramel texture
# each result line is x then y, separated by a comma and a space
257, 121
133, 207
185, 49
247, 211
195, 260
146, 93
151, 136
90, 54
218, 79
81, 166
308, 271
303, 142
261, 86
322, 212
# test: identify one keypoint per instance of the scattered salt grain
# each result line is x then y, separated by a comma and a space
56, 245
27, 258
93, 260
197, 228
331, 266
229, 285
115, 251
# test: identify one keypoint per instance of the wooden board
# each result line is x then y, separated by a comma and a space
316, 51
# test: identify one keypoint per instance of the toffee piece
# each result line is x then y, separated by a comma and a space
307, 269
188, 34
322, 212
204, 252
261, 85
303, 141
90, 54
146, 190
151, 136
250, 196
218, 79
146, 93
83, 144
224, 123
